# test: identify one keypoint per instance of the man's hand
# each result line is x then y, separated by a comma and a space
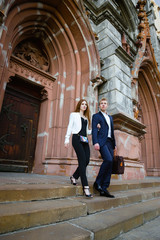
115, 151
96, 146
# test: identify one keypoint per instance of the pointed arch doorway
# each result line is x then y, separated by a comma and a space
149, 114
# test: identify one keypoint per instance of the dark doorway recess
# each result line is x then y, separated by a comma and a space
18, 125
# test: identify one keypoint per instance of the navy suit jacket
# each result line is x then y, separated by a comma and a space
100, 135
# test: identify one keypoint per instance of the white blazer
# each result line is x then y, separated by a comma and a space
74, 126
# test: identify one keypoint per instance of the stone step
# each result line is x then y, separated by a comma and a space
104, 225
121, 198
17, 215
133, 184
62, 231
109, 224
20, 215
28, 192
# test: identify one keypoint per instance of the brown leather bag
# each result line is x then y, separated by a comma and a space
118, 165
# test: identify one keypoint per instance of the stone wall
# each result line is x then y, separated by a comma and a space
118, 50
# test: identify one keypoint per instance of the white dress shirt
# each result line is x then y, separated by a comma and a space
108, 122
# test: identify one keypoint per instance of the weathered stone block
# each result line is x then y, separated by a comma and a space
108, 51
128, 145
104, 42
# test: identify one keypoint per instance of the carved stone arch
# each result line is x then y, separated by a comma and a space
146, 94
149, 105
74, 62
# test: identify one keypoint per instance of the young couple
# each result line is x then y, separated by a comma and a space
103, 140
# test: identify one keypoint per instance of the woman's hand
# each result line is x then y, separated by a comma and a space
66, 145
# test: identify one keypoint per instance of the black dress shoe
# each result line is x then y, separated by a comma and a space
106, 194
97, 187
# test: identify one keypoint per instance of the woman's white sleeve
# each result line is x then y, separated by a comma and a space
89, 131
69, 129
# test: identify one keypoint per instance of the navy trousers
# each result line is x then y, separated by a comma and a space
105, 171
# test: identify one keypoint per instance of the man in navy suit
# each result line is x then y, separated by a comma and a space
103, 141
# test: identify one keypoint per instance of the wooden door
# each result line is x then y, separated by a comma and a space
18, 126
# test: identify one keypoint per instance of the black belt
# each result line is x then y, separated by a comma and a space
108, 138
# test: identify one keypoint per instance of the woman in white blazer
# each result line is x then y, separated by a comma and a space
78, 126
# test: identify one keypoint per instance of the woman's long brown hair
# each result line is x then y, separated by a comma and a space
86, 112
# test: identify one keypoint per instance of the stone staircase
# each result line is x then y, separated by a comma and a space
61, 212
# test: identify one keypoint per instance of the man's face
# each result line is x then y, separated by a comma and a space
103, 105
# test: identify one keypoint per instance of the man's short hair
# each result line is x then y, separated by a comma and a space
103, 99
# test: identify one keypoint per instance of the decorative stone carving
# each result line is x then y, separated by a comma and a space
137, 110
44, 94
96, 36
29, 51
24, 69
144, 24
102, 62
147, 52
125, 45
98, 81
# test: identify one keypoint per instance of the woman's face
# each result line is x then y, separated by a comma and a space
83, 106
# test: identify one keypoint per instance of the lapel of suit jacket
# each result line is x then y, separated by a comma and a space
106, 121
103, 117
111, 123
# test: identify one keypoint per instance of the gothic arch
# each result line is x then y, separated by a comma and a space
149, 113
64, 30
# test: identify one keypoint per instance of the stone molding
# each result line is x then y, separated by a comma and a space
109, 11
124, 56
69, 165
23, 69
129, 125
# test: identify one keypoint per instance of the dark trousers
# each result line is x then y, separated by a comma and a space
105, 170
83, 154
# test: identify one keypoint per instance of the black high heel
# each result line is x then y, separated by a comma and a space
73, 180
86, 192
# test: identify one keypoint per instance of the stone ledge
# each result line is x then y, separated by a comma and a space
129, 125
